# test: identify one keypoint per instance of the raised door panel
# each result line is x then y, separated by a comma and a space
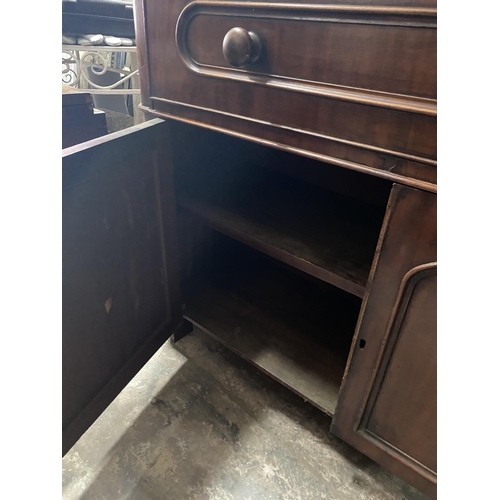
119, 266
402, 409
387, 405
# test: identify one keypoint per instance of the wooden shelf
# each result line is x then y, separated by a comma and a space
327, 236
295, 331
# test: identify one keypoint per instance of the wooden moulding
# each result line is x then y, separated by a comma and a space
419, 173
256, 12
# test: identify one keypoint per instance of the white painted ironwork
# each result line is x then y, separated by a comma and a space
71, 68
78, 60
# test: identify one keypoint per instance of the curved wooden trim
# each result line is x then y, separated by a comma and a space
406, 288
410, 279
316, 13
416, 270
291, 7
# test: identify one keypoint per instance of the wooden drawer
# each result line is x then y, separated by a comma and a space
348, 83
319, 50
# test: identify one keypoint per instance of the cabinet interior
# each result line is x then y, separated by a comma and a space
276, 252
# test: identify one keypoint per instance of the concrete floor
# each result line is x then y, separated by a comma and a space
199, 423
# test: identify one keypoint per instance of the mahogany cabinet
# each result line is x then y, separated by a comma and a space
284, 202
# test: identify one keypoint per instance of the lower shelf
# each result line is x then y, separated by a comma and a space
291, 329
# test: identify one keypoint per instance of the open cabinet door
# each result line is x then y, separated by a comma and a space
388, 400
120, 284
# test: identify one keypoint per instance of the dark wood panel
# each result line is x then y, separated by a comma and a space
288, 327
120, 299
404, 414
351, 156
80, 121
407, 133
394, 59
219, 157
326, 235
393, 130
76, 97
78, 128
387, 405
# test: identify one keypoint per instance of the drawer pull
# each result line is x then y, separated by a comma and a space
241, 47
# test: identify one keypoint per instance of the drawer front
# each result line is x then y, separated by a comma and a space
318, 50
356, 83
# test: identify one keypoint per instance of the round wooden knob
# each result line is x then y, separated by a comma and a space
241, 47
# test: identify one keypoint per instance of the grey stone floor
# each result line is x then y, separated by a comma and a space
199, 423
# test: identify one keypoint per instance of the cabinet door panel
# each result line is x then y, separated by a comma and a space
402, 408
119, 266
387, 406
